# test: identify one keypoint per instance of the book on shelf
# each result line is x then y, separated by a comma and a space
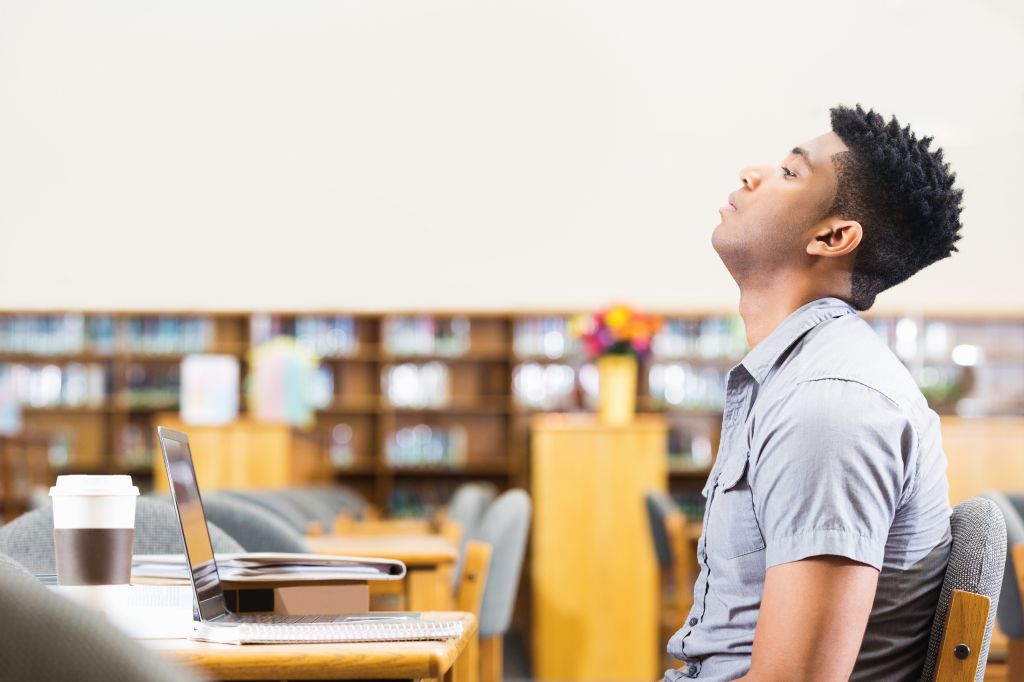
209, 389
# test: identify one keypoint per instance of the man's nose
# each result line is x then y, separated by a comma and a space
750, 177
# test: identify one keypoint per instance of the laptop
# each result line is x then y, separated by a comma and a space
216, 623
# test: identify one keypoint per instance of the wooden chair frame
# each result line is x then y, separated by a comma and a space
960, 651
468, 597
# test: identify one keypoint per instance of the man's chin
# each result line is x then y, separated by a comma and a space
719, 238
729, 247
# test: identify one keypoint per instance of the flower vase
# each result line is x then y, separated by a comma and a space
616, 398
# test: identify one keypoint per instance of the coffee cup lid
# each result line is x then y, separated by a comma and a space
94, 485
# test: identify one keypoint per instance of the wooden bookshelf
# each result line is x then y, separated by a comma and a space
24, 465
500, 369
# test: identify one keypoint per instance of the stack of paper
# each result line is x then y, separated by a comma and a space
142, 611
270, 567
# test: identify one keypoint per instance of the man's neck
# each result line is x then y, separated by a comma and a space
763, 310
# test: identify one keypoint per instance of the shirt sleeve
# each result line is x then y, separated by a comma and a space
828, 475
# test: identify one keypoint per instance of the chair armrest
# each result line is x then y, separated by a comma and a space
473, 580
962, 638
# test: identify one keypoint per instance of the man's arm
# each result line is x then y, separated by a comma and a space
813, 616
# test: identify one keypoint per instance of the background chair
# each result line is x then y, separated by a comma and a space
46, 637
254, 527
473, 580
505, 526
962, 627
1011, 611
8, 565
466, 508
469, 595
282, 508
29, 538
341, 500
675, 556
319, 514
468, 504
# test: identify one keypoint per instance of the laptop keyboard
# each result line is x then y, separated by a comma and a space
262, 619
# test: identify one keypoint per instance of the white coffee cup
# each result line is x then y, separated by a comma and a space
93, 529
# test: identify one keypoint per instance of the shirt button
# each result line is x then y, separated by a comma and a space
693, 621
692, 670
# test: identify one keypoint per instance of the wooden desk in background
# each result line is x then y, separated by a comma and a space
449, 660
346, 526
429, 560
381, 527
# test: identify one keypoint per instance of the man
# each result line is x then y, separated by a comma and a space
826, 531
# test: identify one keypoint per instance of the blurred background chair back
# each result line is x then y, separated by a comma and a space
46, 637
970, 592
29, 538
279, 506
466, 508
1011, 611
659, 509
256, 528
505, 526
672, 546
314, 509
468, 504
340, 499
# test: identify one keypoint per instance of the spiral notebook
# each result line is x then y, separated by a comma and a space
375, 627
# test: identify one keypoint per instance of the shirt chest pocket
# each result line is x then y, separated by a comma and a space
737, 530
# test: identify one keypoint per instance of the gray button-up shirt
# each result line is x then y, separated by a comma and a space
828, 448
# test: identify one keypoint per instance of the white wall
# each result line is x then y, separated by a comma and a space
374, 154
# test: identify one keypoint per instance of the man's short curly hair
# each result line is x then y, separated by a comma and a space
901, 193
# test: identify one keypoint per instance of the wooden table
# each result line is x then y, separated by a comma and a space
348, 527
429, 560
449, 660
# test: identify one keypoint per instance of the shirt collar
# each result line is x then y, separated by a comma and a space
764, 355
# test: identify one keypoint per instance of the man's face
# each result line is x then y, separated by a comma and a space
767, 223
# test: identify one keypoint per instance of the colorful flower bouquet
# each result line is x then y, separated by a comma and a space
616, 336
618, 330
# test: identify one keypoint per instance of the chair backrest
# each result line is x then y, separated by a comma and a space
1011, 611
674, 549
9, 565
255, 528
339, 499
468, 504
466, 508
966, 610
46, 637
659, 508
281, 507
505, 526
311, 507
29, 538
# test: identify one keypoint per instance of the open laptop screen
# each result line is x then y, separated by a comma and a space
196, 535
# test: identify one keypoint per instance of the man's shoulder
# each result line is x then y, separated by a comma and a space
846, 349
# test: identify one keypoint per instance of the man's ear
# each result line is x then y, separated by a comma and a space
835, 238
